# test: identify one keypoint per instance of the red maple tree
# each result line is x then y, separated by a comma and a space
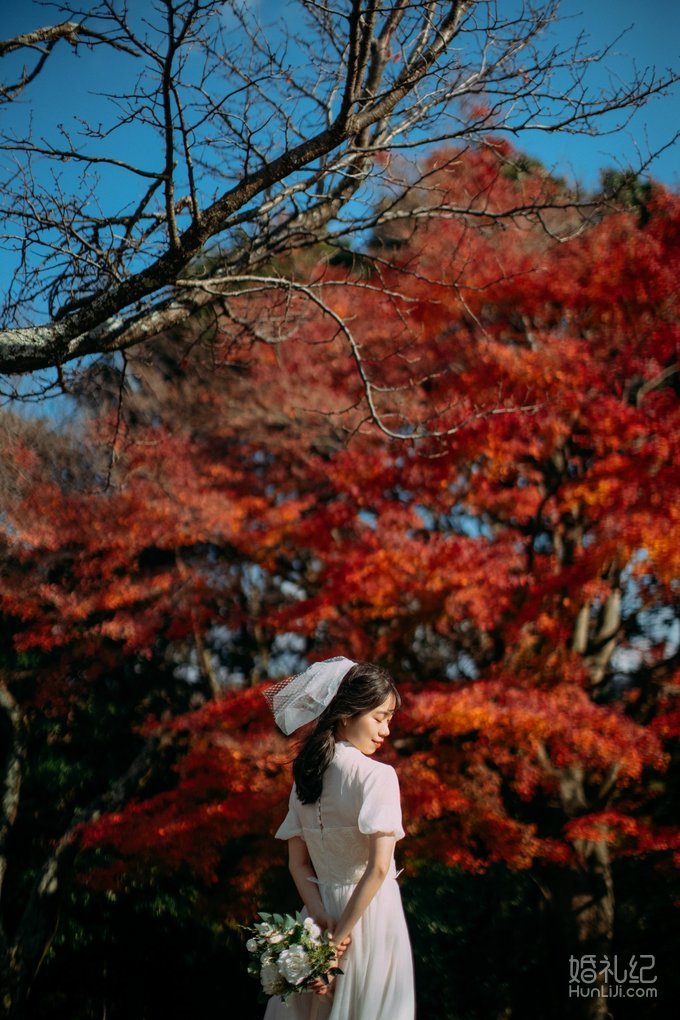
459, 458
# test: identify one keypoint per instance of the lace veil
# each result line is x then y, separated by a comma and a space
297, 701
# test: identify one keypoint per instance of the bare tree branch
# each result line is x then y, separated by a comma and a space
258, 139
43, 40
219, 289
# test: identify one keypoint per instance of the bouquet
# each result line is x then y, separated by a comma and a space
288, 953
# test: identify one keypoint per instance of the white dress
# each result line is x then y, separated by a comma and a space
360, 796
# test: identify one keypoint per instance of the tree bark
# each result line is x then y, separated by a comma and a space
580, 902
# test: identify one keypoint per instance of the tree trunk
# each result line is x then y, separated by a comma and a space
580, 902
34, 936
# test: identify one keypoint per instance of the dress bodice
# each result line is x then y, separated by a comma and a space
360, 797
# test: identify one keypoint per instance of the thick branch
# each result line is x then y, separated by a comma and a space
13, 740
381, 76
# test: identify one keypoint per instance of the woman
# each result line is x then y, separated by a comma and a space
343, 822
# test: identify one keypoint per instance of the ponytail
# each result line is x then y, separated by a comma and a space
314, 758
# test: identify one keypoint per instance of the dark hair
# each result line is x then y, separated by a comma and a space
365, 686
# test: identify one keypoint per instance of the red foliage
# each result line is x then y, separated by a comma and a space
493, 551
232, 783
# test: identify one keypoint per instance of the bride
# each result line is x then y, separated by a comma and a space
343, 821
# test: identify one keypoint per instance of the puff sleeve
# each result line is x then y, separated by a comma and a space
381, 807
290, 826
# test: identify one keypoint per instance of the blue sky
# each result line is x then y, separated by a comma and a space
651, 38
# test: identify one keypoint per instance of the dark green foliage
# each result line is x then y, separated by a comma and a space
482, 944
647, 923
629, 190
478, 942
149, 953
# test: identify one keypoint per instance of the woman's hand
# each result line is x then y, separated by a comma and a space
343, 946
328, 923
320, 987
324, 921
326, 987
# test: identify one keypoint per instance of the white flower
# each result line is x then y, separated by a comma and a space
272, 982
294, 964
274, 939
252, 945
313, 929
